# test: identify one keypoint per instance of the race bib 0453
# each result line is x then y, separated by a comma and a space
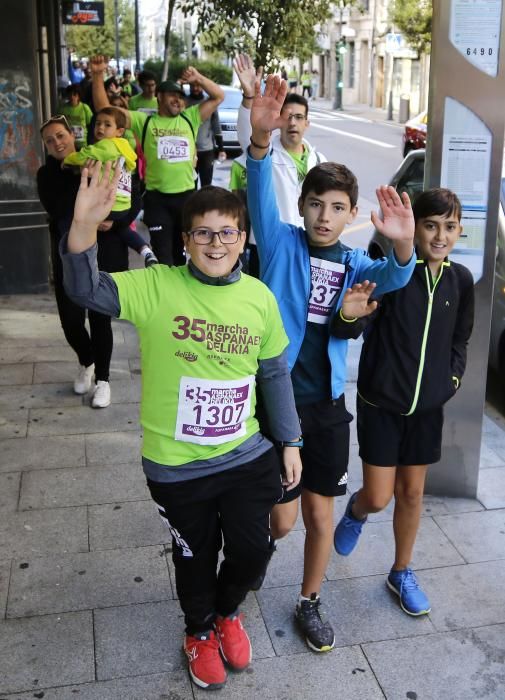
326, 280
212, 411
175, 149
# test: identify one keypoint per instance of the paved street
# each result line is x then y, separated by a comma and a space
88, 607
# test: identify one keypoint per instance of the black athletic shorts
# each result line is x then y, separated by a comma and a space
389, 439
325, 451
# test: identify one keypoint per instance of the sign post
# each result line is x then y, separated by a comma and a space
466, 125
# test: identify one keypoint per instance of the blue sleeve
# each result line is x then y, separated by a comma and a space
387, 273
268, 229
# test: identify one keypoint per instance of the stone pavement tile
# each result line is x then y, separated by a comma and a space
16, 374
343, 673
42, 453
9, 494
28, 353
59, 488
50, 372
286, 565
45, 651
477, 536
492, 435
135, 524
83, 419
491, 489
148, 638
360, 610
466, 665
5, 570
38, 396
445, 505
89, 580
466, 596
103, 449
38, 532
13, 424
139, 639
489, 457
160, 686
374, 553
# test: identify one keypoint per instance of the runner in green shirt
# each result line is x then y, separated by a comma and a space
78, 114
168, 139
146, 100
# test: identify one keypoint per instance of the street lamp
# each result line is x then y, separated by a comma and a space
340, 51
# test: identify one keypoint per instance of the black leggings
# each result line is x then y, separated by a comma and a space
97, 345
233, 507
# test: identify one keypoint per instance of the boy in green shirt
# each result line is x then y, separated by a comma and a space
207, 334
78, 114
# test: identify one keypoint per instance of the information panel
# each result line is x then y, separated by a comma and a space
475, 32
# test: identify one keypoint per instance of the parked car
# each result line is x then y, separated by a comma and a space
228, 115
414, 134
409, 178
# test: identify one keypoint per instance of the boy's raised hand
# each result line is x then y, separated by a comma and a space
246, 72
266, 108
356, 302
397, 222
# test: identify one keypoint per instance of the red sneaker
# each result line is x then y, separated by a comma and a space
206, 667
233, 640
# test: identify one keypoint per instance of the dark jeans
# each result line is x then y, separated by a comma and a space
205, 167
97, 345
233, 507
162, 215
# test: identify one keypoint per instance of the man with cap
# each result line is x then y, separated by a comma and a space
168, 139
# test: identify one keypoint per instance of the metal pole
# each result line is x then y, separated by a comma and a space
390, 95
337, 103
116, 18
137, 36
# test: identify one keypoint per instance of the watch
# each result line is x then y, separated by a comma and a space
293, 443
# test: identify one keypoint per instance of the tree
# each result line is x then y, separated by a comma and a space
270, 30
86, 41
413, 19
168, 28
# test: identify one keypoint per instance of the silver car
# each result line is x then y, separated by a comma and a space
228, 115
409, 178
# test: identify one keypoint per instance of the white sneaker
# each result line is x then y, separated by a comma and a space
82, 383
101, 395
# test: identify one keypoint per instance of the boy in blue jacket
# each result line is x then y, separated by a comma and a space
307, 268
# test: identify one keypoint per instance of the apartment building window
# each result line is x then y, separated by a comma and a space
351, 53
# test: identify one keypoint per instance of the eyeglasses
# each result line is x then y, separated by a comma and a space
296, 117
204, 236
57, 119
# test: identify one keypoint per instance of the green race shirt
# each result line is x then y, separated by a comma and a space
169, 149
79, 118
139, 103
200, 347
238, 177
300, 160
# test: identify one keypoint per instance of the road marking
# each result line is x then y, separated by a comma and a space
339, 115
357, 227
381, 144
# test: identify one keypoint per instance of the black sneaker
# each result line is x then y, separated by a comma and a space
150, 259
318, 633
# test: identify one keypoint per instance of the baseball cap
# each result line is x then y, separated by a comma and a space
171, 86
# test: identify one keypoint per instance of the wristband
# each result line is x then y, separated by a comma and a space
293, 443
256, 145
346, 320
247, 97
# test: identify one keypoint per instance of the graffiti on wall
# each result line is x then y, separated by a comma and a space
19, 156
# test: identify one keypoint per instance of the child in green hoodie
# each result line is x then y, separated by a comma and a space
111, 145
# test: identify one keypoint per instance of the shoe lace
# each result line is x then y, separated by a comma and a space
311, 614
208, 646
409, 582
231, 626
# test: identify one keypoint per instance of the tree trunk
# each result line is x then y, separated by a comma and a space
171, 5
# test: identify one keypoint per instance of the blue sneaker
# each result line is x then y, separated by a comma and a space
348, 530
412, 599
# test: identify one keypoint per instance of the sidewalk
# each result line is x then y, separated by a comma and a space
88, 607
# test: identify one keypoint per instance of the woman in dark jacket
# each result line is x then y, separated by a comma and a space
57, 188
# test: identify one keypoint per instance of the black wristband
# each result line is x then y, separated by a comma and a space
247, 97
256, 145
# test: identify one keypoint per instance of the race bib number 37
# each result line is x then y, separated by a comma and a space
326, 280
212, 411
173, 148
